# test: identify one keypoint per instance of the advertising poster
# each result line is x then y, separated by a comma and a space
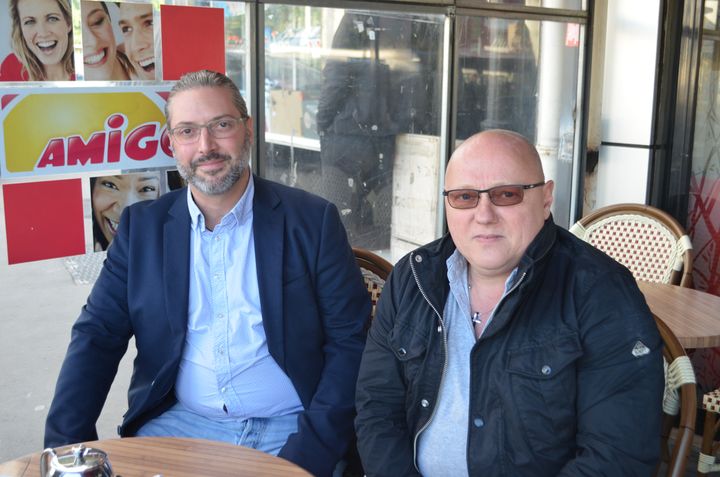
71, 130
118, 41
193, 38
109, 195
36, 40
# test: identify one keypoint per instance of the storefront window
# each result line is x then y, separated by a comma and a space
522, 75
703, 223
563, 4
352, 107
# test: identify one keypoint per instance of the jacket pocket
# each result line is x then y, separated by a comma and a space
544, 386
410, 350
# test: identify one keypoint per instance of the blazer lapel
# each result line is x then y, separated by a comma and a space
268, 230
176, 263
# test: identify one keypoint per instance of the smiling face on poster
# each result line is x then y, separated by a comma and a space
136, 24
102, 59
111, 194
36, 41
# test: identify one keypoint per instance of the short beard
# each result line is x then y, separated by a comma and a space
222, 184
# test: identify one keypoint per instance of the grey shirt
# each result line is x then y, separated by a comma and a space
442, 446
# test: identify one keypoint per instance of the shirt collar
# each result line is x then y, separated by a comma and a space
457, 267
240, 212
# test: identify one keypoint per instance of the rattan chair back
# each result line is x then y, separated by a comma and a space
375, 271
679, 404
647, 240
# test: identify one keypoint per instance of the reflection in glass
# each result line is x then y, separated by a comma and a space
564, 4
345, 87
522, 75
703, 222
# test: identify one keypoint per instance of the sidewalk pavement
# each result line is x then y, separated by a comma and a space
39, 303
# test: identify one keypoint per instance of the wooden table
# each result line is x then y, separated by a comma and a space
171, 457
693, 315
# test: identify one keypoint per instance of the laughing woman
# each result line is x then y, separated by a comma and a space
111, 194
41, 40
101, 57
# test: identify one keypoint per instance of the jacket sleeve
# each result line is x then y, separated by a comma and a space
620, 382
384, 440
99, 339
325, 426
334, 94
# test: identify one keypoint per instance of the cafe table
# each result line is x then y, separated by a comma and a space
692, 315
171, 457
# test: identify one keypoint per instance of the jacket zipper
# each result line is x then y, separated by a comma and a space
442, 324
442, 376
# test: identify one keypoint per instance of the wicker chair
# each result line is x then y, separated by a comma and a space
648, 241
375, 271
679, 398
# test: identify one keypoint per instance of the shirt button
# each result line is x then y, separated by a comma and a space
424, 403
402, 352
223, 390
546, 370
220, 315
478, 422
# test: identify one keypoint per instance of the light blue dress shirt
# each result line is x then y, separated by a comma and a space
226, 371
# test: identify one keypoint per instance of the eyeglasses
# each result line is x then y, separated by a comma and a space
501, 195
217, 128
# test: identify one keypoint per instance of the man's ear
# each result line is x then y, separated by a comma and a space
548, 196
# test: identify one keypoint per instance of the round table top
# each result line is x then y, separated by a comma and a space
692, 315
171, 457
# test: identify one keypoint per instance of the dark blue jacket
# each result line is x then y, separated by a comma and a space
555, 388
314, 307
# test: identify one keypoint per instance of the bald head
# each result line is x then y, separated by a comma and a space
500, 144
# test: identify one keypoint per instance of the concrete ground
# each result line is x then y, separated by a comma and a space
39, 301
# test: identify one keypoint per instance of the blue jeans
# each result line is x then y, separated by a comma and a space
267, 434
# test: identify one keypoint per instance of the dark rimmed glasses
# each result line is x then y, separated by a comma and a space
218, 128
501, 196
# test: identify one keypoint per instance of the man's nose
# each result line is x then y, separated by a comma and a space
485, 209
140, 41
206, 141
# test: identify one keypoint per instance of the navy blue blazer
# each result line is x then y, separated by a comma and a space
314, 308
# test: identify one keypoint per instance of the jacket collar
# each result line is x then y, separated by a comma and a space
269, 233
176, 263
433, 274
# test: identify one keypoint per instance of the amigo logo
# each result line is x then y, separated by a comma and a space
67, 131
107, 146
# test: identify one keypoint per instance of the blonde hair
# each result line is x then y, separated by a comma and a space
31, 65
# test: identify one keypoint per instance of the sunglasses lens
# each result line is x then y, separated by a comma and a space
506, 195
463, 198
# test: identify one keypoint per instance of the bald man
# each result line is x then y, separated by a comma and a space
509, 347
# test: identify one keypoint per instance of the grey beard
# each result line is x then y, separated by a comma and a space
212, 187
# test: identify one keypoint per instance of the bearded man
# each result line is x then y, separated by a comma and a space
243, 296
